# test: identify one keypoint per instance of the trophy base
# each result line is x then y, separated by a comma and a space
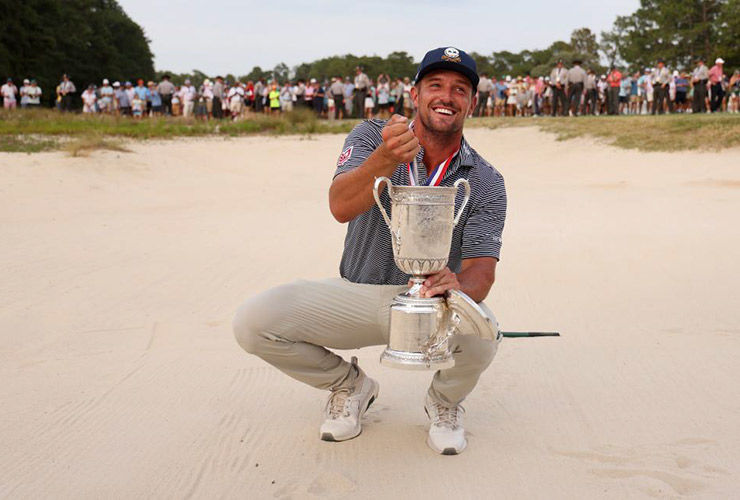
416, 360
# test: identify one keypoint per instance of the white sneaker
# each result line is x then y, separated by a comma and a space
346, 406
446, 433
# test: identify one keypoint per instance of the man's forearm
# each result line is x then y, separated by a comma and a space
351, 193
477, 278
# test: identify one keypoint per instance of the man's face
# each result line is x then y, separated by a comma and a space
444, 99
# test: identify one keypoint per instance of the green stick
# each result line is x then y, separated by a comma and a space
513, 335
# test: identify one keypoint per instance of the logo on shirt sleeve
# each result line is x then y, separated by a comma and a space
345, 156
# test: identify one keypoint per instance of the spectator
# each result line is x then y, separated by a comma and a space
733, 101
383, 93
349, 89
576, 83
273, 97
105, 98
716, 78
286, 97
123, 102
700, 79
362, 87
166, 90
559, 82
485, 86
336, 91
33, 95
9, 92
236, 98
408, 102
66, 89
89, 100
591, 97
661, 79
259, 88
614, 82
187, 98
218, 98
624, 92
682, 91
156, 100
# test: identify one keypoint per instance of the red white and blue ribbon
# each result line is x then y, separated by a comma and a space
437, 174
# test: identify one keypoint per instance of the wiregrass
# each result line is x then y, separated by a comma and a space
43, 130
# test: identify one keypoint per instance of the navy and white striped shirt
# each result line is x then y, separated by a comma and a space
368, 255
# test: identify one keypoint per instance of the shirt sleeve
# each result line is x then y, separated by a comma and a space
358, 146
485, 224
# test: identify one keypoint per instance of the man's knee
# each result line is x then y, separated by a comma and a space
474, 352
258, 315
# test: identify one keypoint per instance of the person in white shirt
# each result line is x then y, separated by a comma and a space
187, 97
235, 98
89, 99
32, 95
105, 103
9, 91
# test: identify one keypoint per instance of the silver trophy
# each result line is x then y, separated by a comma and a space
421, 224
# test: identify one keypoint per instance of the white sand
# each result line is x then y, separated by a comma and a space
121, 378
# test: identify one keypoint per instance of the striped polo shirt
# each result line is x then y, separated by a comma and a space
368, 254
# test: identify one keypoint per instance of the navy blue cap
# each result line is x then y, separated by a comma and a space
451, 59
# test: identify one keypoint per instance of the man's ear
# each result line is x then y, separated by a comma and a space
414, 92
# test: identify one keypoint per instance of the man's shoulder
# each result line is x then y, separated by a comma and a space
371, 128
484, 170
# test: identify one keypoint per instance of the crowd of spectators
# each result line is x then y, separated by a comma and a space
565, 92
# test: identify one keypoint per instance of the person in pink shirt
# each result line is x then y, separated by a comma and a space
716, 77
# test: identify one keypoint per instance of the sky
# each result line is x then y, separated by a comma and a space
233, 36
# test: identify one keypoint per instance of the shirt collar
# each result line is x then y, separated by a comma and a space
464, 158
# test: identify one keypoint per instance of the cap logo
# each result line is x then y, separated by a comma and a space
451, 54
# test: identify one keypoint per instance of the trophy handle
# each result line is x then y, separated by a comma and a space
376, 194
465, 183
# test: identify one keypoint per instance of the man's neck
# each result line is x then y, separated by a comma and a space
437, 148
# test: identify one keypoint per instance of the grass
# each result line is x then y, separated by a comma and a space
678, 132
43, 130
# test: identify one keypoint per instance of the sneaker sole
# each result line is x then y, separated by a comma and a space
326, 436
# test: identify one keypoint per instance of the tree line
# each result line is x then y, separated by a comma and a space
95, 39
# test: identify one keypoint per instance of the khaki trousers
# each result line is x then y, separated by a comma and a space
291, 327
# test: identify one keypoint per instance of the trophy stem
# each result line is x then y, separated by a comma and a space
417, 281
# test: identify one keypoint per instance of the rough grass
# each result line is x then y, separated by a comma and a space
678, 132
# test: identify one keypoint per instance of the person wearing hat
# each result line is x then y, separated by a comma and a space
576, 82
661, 80
699, 80
89, 99
166, 90
32, 94
559, 83
105, 100
716, 78
362, 86
66, 89
9, 92
292, 327
122, 99
188, 93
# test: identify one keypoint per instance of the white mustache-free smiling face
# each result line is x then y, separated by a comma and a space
443, 99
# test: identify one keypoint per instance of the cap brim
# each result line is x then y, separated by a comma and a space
451, 66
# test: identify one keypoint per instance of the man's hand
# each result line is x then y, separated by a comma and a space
400, 145
438, 284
